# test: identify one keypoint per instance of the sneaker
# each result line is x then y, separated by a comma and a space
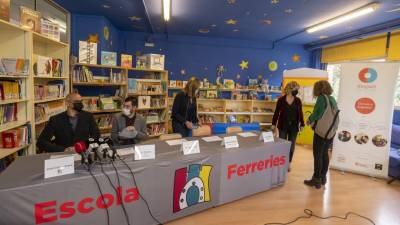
313, 183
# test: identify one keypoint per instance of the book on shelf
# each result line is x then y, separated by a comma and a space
50, 29
172, 84
126, 61
116, 78
108, 58
30, 19
184, 83
229, 84
157, 102
14, 67
152, 117
16, 137
10, 90
44, 111
5, 10
108, 104
207, 119
53, 89
8, 113
212, 94
87, 52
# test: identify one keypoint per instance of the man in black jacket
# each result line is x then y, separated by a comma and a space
65, 129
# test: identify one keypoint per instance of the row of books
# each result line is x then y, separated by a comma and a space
47, 66
8, 113
54, 89
45, 110
145, 86
104, 121
145, 102
17, 137
11, 90
14, 67
95, 104
156, 129
154, 116
82, 74
206, 119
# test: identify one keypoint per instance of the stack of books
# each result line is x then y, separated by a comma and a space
104, 122
82, 74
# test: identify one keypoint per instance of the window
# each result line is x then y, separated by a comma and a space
334, 71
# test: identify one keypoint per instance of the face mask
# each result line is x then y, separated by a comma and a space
295, 92
126, 112
78, 106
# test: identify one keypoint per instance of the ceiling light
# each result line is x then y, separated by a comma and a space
166, 9
346, 17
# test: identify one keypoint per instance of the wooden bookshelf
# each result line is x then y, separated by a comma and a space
49, 100
12, 125
52, 78
4, 152
13, 77
4, 102
95, 84
105, 111
152, 108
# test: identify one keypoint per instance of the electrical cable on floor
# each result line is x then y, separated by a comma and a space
309, 214
140, 195
115, 189
101, 193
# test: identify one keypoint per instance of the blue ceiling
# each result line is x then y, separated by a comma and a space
267, 20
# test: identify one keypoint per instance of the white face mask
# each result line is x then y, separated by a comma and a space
126, 111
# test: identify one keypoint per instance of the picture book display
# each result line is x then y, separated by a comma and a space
30, 19
10, 90
50, 29
8, 113
126, 61
108, 58
87, 52
15, 138
14, 67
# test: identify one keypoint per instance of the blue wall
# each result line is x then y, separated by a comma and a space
198, 56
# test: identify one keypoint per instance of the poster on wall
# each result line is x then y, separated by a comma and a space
366, 99
87, 52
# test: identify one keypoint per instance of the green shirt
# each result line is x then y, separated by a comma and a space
320, 107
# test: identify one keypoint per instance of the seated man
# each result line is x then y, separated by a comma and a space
128, 127
69, 127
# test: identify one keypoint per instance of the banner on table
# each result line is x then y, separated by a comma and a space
366, 99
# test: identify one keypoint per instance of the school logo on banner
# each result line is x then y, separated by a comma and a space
191, 186
368, 75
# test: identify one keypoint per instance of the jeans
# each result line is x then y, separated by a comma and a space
291, 136
321, 156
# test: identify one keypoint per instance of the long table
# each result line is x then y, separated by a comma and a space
171, 186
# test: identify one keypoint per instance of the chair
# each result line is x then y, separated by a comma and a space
232, 130
202, 131
166, 137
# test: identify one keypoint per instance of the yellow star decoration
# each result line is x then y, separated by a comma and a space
244, 64
296, 58
231, 22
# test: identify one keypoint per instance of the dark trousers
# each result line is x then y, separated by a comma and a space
180, 129
291, 136
321, 156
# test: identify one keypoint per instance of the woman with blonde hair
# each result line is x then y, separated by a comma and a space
184, 109
322, 91
288, 118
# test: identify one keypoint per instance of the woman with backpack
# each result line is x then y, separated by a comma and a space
324, 120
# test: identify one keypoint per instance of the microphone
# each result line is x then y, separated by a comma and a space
94, 147
105, 148
80, 148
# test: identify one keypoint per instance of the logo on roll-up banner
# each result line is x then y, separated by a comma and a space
367, 75
191, 186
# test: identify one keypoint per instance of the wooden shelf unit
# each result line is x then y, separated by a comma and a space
150, 74
18, 42
258, 111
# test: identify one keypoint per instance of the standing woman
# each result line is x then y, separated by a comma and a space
322, 91
288, 117
184, 109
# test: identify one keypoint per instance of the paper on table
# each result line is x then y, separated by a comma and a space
212, 139
247, 134
175, 142
126, 151
77, 157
